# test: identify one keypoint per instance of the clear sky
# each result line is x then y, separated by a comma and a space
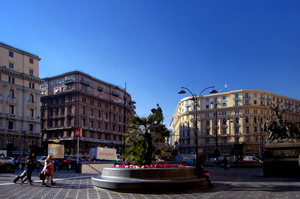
157, 46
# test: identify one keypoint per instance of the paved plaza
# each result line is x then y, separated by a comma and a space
233, 183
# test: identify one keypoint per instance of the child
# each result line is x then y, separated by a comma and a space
29, 169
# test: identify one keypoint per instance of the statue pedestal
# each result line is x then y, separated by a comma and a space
282, 159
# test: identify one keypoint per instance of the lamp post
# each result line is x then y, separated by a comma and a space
195, 99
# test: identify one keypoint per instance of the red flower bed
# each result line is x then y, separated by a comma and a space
150, 166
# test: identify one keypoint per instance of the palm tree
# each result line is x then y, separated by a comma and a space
145, 134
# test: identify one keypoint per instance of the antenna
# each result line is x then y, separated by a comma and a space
225, 87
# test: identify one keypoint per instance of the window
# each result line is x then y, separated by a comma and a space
224, 131
11, 80
31, 113
236, 103
91, 113
10, 125
92, 124
11, 109
224, 121
207, 106
56, 82
207, 123
207, 99
99, 114
224, 104
30, 127
254, 94
247, 120
31, 72
247, 95
237, 120
83, 111
224, 98
31, 85
11, 66
11, 94
11, 54
31, 98
83, 122
236, 96
215, 99
30, 60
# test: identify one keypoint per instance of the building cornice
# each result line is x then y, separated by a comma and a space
13, 73
20, 51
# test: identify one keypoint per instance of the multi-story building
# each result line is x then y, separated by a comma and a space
76, 100
19, 100
240, 115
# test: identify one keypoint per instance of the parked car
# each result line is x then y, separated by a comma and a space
6, 164
69, 162
40, 161
210, 162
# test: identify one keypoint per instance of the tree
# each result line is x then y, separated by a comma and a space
145, 134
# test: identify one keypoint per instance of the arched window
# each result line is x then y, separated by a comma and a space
31, 98
11, 94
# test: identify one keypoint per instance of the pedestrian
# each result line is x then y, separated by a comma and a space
49, 163
225, 162
29, 168
202, 173
47, 171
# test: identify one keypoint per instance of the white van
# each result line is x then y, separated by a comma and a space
253, 159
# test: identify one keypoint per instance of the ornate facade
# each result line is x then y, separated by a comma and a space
240, 115
76, 100
19, 100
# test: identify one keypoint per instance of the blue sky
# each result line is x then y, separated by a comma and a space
157, 46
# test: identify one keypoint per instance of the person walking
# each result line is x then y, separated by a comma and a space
49, 164
225, 162
29, 168
47, 172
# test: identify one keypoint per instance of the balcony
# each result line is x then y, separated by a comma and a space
70, 81
11, 100
84, 82
100, 88
116, 94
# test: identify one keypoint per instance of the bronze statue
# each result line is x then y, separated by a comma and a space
281, 130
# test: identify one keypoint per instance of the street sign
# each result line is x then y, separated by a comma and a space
77, 132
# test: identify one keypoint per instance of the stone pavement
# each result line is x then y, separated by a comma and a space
233, 183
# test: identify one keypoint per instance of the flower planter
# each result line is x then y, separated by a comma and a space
148, 179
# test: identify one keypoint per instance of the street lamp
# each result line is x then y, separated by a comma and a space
195, 99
